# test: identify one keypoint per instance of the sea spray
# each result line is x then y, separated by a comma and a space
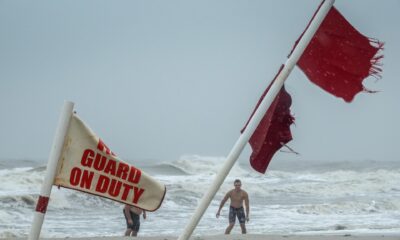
315, 199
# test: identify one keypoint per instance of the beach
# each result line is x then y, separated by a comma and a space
245, 237
345, 200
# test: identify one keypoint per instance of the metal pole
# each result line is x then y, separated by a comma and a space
255, 120
55, 153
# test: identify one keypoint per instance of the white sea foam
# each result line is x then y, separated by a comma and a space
319, 201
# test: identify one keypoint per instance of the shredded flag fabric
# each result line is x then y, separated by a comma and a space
88, 165
339, 58
273, 132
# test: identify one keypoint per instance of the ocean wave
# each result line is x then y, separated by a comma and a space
18, 163
195, 164
18, 201
349, 207
283, 201
192, 175
11, 233
18, 180
166, 169
38, 169
329, 184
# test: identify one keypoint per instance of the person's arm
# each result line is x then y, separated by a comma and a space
144, 214
247, 204
127, 213
223, 201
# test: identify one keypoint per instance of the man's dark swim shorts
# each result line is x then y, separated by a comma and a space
239, 212
135, 219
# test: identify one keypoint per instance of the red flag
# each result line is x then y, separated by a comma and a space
273, 132
339, 58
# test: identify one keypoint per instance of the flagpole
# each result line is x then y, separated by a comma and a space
55, 153
256, 119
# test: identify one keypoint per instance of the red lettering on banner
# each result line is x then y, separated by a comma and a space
75, 176
87, 158
111, 167
122, 171
99, 162
102, 184
134, 175
127, 189
103, 147
137, 193
86, 180
115, 188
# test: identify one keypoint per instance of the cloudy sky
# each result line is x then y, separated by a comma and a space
161, 79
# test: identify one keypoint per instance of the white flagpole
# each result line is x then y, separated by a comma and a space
255, 120
55, 153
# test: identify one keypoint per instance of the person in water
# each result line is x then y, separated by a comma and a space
236, 210
132, 217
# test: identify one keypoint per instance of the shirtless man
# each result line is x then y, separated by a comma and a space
132, 217
237, 196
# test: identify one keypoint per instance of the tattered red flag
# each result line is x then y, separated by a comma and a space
339, 58
273, 132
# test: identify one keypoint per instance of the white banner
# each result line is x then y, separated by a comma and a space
88, 165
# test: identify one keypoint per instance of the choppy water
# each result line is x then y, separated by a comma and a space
317, 198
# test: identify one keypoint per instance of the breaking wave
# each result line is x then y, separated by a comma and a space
318, 201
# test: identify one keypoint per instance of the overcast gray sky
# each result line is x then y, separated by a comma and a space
162, 79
